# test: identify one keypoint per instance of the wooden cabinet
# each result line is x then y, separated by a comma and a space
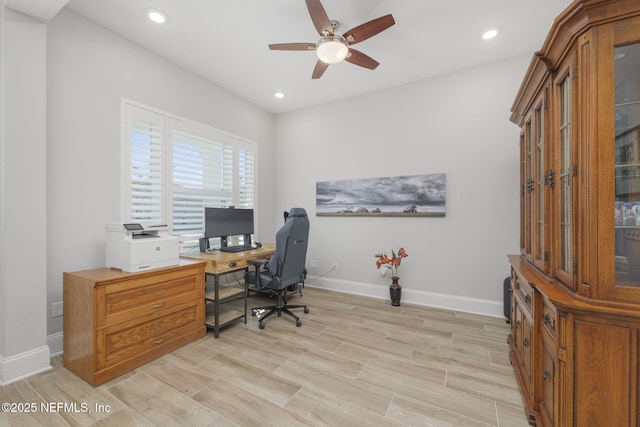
116, 321
576, 282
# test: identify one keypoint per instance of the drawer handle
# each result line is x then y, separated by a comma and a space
158, 292
156, 306
526, 342
233, 264
160, 341
527, 298
546, 319
545, 374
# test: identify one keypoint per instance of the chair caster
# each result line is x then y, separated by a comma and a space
298, 323
253, 313
261, 325
306, 309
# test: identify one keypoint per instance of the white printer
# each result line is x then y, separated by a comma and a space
138, 247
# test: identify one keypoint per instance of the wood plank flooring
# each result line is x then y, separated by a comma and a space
356, 361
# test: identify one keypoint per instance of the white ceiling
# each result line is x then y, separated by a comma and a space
225, 41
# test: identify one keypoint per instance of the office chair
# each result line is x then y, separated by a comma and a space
285, 268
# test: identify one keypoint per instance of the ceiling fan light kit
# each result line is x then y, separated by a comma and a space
333, 48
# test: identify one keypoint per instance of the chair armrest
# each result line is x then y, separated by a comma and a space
258, 261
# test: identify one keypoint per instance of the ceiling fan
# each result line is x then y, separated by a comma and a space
333, 48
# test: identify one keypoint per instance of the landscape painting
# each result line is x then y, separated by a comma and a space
414, 195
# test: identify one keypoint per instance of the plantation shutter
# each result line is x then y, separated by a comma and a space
174, 168
145, 133
246, 177
202, 175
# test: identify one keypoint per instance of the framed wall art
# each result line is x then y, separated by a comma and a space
413, 195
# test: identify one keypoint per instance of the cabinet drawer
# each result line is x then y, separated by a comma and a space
548, 318
124, 301
121, 344
524, 291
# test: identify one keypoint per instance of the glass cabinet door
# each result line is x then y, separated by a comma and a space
540, 231
627, 164
565, 176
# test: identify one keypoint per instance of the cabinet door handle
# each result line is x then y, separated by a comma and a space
546, 319
545, 374
527, 298
156, 306
526, 342
517, 285
517, 324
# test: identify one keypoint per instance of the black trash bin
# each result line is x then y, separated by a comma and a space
507, 298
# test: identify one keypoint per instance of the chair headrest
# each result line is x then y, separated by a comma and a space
297, 212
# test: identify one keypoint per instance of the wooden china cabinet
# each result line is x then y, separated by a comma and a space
575, 300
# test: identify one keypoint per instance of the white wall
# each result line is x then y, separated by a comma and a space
89, 70
23, 209
457, 124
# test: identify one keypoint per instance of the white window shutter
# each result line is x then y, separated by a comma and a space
176, 168
146, 132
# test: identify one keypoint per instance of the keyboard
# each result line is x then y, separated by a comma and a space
235, 248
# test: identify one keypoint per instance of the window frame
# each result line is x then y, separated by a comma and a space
170, 124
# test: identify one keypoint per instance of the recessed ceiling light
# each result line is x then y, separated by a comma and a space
490, 33
279, 95
157, 16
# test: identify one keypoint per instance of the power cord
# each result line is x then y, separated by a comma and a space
311, 279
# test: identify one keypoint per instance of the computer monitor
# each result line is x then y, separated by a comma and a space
225, 222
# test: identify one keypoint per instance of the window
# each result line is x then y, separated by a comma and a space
173, 168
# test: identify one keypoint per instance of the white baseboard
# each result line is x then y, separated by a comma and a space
411, 296
55, 343
23, 365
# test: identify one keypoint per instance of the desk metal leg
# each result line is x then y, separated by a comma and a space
216, 305
246, 295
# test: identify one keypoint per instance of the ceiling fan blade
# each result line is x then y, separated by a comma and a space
368, 29
293, 46
319, 17
358, 58
319, 69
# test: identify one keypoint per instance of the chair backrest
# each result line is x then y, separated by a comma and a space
288, 261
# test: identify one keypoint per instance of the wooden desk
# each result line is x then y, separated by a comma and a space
219, 264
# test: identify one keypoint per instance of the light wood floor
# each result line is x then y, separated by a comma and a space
355, 361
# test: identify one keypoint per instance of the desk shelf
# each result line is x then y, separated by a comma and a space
226, 315
219, 264
225, 293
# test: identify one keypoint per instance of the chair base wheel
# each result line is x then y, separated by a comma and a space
278, 309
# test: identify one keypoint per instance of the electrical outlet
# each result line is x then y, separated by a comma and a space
313, 263
56, 309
